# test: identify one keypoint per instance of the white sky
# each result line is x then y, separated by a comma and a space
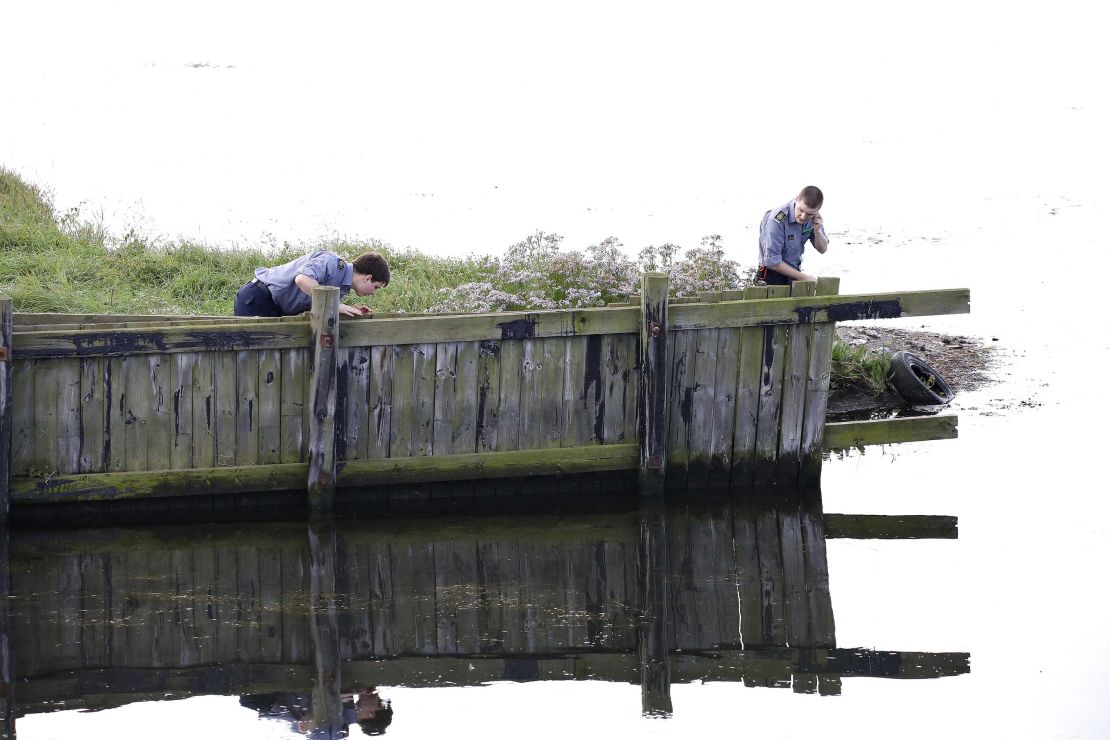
458, 127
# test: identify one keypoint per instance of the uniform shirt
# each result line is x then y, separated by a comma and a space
326, 268
782, 239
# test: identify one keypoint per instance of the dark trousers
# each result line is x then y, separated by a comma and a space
254, 299
771, 277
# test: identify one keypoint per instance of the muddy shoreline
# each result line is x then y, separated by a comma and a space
964, 362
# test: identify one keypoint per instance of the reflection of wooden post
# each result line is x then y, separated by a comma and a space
655, 630
7, 688
321, 430
327, 707
653, 383
5, 407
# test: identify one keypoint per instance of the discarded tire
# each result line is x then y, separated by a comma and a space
917, 382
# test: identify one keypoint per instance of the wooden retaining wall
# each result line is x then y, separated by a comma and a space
104, 408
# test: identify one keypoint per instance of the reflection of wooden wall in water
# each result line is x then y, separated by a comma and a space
528, 591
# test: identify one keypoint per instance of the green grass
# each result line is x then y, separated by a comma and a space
55, 263
860, 367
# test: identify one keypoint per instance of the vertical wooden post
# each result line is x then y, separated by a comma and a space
5, 407
653, 383
324, 321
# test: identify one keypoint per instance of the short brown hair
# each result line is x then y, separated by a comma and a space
373, 264
812, 196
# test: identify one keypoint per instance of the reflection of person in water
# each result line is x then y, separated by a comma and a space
363, 707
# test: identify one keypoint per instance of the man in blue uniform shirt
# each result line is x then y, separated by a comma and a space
784, 233
286, 290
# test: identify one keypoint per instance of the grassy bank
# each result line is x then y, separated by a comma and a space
60, 263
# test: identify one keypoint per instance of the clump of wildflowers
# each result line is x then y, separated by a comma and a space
536, 274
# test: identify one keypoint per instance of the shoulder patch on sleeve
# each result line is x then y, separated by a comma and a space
340, 264
780, 216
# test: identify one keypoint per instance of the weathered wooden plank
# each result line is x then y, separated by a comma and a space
770, 395
702, 407
682, 357
294, 384
818, 375
618, 380
160, 427
782, 309
551, 399
321, 431
23, 420
487, 415
93, 410
798, 348
181, 420
846, 434
35, 318
423, 391
582, 391
465, 434
151, 340
204, 411
268, 407
724, 406
47, 391
492, 326
285, 477
225, 409
531, 395
379, 394
69, 416
445, 398
479, 327
138, 384
355, 365
402, 416
116, 429
511, 396
246, 413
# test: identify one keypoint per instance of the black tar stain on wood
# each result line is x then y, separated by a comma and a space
593, 378
106, 453
519, 329
891, 309
489, 349
768, 354
341, 412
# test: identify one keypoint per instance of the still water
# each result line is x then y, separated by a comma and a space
288, 623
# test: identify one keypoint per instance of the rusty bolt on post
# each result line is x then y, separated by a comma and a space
656, 329
326, 339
